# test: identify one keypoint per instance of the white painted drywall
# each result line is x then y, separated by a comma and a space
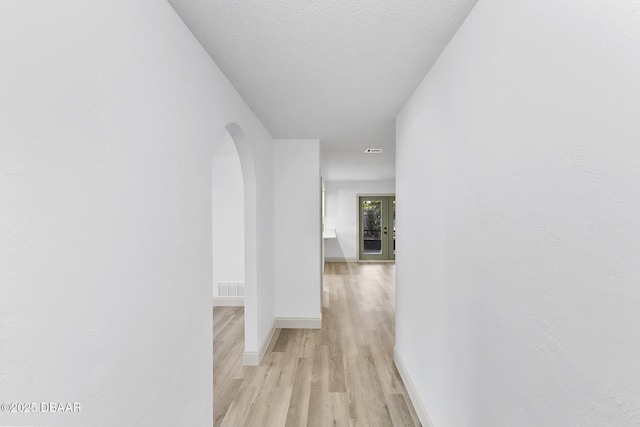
297, 228
341, 214
228, 214
108, 116
518, 185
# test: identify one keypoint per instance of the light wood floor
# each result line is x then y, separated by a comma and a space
340, 375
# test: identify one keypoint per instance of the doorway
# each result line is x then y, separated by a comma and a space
240, 264
227, 207
377, 225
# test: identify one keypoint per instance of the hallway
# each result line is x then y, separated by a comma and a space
342, 374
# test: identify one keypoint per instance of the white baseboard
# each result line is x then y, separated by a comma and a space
418, 405
228, 301
340, 259
299, 323
251, 358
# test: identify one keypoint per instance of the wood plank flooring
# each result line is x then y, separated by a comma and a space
340, 375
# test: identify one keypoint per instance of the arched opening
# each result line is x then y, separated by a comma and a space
247, 167
234, 228
234, 276
227, 209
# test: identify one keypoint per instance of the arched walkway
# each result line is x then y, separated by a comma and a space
247, 166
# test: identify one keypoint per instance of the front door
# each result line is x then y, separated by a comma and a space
377, 235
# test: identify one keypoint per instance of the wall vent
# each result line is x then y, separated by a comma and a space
230, 289
373, 150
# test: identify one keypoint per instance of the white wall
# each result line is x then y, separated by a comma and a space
518, 177
341, 214
297, 227
228, 214
108, 116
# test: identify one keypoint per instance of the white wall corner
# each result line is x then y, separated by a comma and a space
252, 358
418, 405
299, 323
228, 301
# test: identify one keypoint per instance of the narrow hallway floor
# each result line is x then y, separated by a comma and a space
340, 375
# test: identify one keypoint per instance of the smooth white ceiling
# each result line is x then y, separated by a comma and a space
336, 70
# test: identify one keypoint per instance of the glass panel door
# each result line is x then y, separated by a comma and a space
392, 228
377, 227
371, 226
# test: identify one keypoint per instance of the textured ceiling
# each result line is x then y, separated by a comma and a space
335, 70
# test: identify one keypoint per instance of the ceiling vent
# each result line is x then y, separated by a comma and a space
373, 150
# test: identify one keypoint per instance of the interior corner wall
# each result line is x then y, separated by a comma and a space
341, 214
298, 238
518, 183
108, 116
